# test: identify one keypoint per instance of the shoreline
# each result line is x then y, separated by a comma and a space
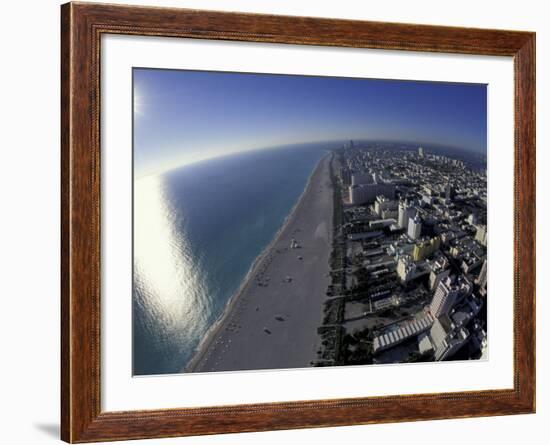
215, 331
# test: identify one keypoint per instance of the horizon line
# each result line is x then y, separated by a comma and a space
175, 165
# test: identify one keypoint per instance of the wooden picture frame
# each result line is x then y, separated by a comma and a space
82, 25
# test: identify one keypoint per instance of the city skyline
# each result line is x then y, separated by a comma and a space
186, 116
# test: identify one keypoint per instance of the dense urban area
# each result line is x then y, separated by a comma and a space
408, 268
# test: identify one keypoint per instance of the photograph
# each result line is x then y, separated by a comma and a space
292, 221
283, 219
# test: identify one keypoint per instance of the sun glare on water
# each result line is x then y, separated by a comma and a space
167, 279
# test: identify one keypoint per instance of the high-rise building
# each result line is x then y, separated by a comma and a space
420, 152
481, 234
447, 293
382, 204
449, 191
365, 193
415, 227
345, 174
405, 212
425, 248
407, 270
441, 327
447, 338
444, 297
360, 178
481, 280
439, 270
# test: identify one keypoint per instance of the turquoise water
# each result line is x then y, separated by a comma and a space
197, 231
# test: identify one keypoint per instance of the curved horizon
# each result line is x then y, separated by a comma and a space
183, 116
174, 165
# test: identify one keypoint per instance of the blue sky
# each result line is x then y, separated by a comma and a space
185, 116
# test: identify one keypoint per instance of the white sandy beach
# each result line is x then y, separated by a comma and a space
271, 322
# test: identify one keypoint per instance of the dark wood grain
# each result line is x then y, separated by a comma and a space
81, 28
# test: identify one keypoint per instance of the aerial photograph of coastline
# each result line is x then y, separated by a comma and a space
291, 221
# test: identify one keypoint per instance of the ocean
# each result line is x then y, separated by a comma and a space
197, 231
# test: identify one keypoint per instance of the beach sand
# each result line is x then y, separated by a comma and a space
271, 322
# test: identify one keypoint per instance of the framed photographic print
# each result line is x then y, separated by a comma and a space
275, 222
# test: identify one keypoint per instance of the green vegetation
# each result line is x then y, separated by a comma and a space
331, 342
331, 332
334, 311
357, 348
